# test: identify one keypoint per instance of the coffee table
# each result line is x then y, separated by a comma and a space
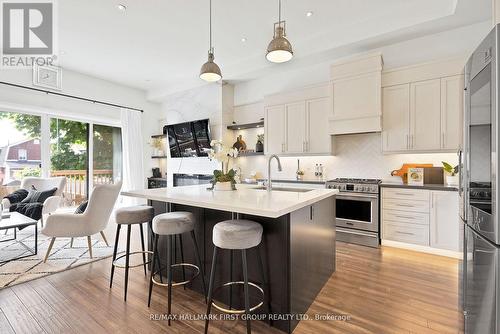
15, 220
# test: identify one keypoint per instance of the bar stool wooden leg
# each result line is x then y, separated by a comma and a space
169, 274
127, 258
200, 265
143, 250
245, 279
210, 288
117, 237
155, 255
265, 284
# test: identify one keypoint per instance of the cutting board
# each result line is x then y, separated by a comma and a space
403, 171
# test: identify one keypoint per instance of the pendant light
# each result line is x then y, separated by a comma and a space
210, 71
279, 49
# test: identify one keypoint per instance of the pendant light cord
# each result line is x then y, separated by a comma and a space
279, 13
210, 27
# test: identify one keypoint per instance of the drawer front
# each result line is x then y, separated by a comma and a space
409, 233
409, 194
405, 217
405, 205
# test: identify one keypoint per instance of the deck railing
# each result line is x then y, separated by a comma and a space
76, 183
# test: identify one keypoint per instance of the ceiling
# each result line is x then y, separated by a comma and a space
159, 46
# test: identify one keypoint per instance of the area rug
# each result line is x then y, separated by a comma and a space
62, 257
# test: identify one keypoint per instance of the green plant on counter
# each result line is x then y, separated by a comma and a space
450, 169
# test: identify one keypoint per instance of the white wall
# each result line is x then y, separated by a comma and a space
356, 156
75, 83
447, 44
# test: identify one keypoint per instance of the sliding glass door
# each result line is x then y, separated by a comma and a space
85, 153
106, 154
69, 157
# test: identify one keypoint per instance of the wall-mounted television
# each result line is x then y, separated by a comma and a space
189, 139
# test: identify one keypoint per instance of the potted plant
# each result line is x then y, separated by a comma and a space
259, 146
451, 174
224, 178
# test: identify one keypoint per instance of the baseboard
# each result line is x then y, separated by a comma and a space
423, 249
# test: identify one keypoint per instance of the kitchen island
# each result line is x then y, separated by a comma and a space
298, 246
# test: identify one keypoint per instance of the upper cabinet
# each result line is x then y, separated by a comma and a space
296, 123
356, 91
422, 108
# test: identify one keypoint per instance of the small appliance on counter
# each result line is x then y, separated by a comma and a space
357, 210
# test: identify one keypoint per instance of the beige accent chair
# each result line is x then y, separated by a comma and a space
94, 220
52, 203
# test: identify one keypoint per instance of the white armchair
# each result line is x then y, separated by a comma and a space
39, 183
92, 221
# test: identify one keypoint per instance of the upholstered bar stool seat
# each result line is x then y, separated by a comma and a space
241, 235
128, 216
237, 234
134, 214
171, 223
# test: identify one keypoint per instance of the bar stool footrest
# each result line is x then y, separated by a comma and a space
195, 268
117, 265
231, 311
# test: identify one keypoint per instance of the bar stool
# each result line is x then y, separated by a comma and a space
133, 215
173, 225
236, 234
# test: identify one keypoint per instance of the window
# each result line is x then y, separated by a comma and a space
22, 154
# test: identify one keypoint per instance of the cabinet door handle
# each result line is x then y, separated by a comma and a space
407, 142
282, 147
444, 140
404, 194
411, 142
405, 205
311, 212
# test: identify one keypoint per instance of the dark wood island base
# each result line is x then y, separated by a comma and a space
298, 250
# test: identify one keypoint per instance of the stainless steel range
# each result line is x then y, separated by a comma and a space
357, 210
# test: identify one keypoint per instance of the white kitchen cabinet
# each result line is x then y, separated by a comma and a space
421, 217
452, 90
295, 134
396, 120
422, 108
425, 115
444, 221
318, 139
275, 129
297, 122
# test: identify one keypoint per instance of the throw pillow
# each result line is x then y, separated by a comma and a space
17, 196
32, 210
36, 196
81, 208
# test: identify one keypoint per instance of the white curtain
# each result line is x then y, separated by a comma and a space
133, 169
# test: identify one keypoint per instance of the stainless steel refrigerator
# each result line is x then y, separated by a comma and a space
479, 190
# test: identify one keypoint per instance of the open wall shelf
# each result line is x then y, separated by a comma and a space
259, 124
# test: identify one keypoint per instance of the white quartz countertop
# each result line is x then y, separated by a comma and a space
247, 199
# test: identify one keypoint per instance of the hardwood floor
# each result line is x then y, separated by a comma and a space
383, 290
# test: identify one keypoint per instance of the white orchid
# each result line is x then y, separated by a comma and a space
222, 154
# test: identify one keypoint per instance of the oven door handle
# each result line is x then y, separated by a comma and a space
356, 196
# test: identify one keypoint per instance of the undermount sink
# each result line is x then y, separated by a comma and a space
293, 190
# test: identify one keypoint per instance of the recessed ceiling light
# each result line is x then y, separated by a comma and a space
63, 53
309, 14
244, 39
121, 7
